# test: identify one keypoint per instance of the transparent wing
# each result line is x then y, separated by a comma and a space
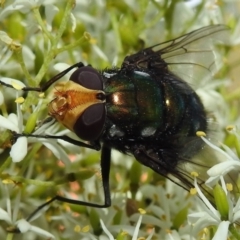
191, 56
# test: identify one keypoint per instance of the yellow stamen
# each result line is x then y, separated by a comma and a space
229, 187
19, 100
193, 191
86, 228
141, 211
194, 174
200, 134
77, 229
41, 95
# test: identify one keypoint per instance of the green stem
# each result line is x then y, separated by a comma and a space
29, 157
4, 110
9, 236
41, 23
33, 181
6, 164
52, 53
86, 37
116, 30
234, 231
19, 56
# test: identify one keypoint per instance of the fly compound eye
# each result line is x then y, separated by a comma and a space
89, 125
88, 77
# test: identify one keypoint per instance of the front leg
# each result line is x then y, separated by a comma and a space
93, 145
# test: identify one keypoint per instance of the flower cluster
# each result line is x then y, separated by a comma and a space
39, 38
225, 213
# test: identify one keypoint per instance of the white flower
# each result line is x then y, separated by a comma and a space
228, 211
230, 163
135, 232
211, 216
25, 226
10, 217
19, 148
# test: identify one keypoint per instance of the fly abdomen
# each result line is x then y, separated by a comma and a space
184, 111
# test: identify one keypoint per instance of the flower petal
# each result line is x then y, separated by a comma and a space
222, 231
42, 232
23, 225
223, 168
212, 181
12, 80
193, 217
19, 149
57, 150
136, 231
13, 118
201, 223
5, 123
110, 236
236, 216
5, 216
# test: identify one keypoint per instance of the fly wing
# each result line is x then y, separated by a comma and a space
191, 56
174, 165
